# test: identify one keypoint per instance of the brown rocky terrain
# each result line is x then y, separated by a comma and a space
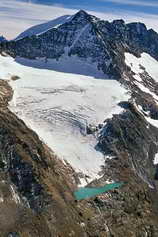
36, 188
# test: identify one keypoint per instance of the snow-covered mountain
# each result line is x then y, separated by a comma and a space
41, 28
86, 36
88, 88
80, 56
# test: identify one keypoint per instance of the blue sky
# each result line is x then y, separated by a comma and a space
18, 15
144, 6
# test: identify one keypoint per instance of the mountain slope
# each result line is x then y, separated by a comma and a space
88, 88
36, 188
39, 29
58, 105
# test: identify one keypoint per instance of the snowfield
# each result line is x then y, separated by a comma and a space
59, 103
146, 61
151, 67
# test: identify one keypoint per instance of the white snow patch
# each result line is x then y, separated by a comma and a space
146, 90
82, 224
15, 196
137, 64
83, 182
155, 159
148, 62
59, 103
146, 115
1, 199
152, 121
137, 77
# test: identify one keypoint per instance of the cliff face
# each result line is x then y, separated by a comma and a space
36, 188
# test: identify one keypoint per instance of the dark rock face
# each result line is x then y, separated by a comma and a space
130, 132
23, 177
132, 143
11, 161
89, 37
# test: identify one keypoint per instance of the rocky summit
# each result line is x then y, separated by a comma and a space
112, 116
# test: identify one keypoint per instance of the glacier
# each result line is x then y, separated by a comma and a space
59, 105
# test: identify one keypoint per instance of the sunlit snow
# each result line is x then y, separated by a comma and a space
146, 61
40, 29
155, 159
59, 103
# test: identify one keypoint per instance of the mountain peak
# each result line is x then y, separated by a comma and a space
82, 13
84, 16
